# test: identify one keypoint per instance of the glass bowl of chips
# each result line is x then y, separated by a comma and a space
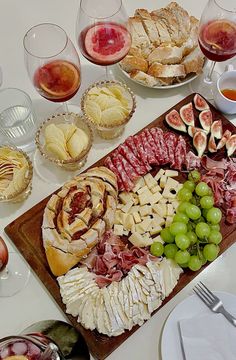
16, 172
108, 106
65, 140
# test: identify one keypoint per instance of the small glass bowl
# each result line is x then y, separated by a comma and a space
23, 192
110, 131
73, 163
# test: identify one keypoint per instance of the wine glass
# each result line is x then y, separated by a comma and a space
101, 31
52, 63
14, 274
217, 40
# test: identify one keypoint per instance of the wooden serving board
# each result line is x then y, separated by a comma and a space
25, 232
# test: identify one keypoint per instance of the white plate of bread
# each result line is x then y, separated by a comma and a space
164, 51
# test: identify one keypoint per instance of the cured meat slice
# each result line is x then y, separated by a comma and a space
231, 145
212, 144
200, 142
216, 129
132, 159
158, 137
141, 152
128, 184
147, 148
180, 153
171, 142
224, 139
152, 144
108, 163
130, 171
200, 103
192, 130
192, 161
187, 115
174, 120
130, 143
205, 118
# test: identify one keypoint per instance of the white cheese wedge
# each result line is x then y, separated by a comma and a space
169, 220
138, 240
155, 189
171, 173
139, 184
145, 210
142, 189
155, 230
118, 230
159, 239
125, 197
129, 222
163, 181
150, 181
155, 198
145, 197
170, 210
137, 218
127, 206
159, 174
160, 209
134, 209
158, 220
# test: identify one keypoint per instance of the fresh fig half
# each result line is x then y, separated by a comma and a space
212, 144
174, 120
231, 145
216, 129
192, 130
187, 115
200, 103
224, 139
200, 142
205, 118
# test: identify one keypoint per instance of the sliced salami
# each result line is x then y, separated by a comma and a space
180, 153
128, 184
147, 148
141, 152
158, 137
109, 164
152, 144
171, 142
132, 159
131, 144
130, 171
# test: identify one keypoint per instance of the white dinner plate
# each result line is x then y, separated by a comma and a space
188, 308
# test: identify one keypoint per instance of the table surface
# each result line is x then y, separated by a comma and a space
34, 303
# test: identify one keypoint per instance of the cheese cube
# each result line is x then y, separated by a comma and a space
142, 189
127, 206
158, 220
180, 186
145, 210
140, 183
134, 209
138, 240
118, 219
159, 174
156, 230
145, 197
147, 238
129, 222
159, 239
170, 189
163, 200
125, 197
160, 209
155, 189
150, 181
169, 221
145, 223
170, 210
135, 199
137, 218
119, 206
175, 204
139, 229
126, 232
171, 173
118, 230
163, 181
155, 198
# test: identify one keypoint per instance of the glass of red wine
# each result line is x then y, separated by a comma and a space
102, 33
14, 274
217, 40
52, 63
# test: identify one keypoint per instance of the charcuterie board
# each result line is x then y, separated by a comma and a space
25, 232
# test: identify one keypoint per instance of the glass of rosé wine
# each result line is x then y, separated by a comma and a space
101, 30
52, 63
14, 274
217, 41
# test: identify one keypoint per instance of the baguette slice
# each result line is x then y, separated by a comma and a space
144, 78
138, 33
149, 26
166, 55
165, 71
131, 63
193, 62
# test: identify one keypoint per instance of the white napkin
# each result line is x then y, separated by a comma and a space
208, 337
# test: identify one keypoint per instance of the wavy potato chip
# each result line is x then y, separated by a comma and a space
57, 150
54, 134
68, 130
77, 143
113, 115
93, 110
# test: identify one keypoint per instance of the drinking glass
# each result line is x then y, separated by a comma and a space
217, 40
14, 274
52, 63
101, 31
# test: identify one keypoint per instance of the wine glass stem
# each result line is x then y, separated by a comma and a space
208, 77
4, 274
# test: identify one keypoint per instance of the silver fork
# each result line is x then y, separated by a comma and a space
212, 301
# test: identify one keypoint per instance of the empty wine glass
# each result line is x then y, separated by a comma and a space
14, 274
52, 63
101, 31
217, 40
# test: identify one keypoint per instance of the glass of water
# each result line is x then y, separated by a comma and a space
17, 118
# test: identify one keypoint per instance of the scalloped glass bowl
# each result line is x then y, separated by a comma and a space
73, 163
24, 191
110, 131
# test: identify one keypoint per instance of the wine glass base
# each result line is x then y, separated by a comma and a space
206, 89
51, 173
15, 278
72, 108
